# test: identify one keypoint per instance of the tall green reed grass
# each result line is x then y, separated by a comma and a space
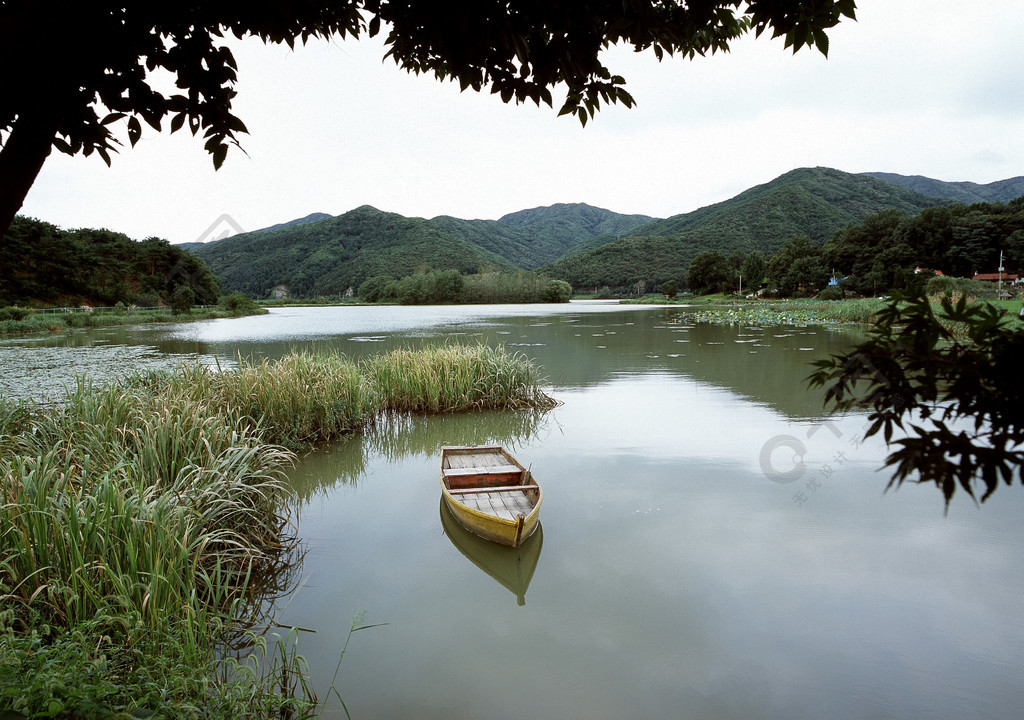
132, 500
302, 399
453, 378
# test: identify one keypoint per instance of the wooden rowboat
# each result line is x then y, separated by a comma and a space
490, 493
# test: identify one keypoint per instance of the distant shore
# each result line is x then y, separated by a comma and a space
731, 309
725, 309
719, 308
34, 322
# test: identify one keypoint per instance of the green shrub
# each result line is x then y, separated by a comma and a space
182, 300
557, 291
13, 312
377, 289
80, 319
148, 299
238, 304
954, 288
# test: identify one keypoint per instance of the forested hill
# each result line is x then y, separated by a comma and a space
962, 192
813, 202
42, 264
312, 217
531, 238
808, 201
328, 256
587, 246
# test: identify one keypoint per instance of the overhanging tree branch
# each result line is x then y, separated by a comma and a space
98, 57
949, 380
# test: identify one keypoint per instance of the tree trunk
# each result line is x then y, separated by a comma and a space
21, 158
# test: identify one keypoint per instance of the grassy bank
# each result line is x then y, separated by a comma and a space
21, 321
142, 523
721, 309
788, 312
731, 309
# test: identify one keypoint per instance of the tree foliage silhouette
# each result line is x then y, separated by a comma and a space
74, 70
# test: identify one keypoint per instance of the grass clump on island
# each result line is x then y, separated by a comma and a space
142, 523
455, 378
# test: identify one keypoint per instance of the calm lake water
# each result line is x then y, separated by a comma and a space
711, 546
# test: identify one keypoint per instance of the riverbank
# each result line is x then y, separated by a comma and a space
24, 321
728, 310
59, 322
143, 523
790, 312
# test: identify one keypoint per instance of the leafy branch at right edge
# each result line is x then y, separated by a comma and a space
951, 379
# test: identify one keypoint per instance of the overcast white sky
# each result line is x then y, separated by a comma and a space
917, 87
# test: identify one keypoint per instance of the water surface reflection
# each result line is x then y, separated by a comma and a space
513, 568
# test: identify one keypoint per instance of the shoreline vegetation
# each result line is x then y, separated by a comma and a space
144, 521
16, 320
450, 287
717, 308
727, 310
723, 309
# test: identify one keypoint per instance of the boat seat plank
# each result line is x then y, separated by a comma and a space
497, 489
481, 470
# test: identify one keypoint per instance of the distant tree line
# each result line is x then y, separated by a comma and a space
41, 264
428, 286
888, 250
957, 240
711, 271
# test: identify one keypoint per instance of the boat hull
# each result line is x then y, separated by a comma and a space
490, 493
497, 530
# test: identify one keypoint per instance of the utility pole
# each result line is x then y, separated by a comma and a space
999, 294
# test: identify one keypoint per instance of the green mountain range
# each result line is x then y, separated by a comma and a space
814, 202
963, 192
532, 238
587, 246
328, 256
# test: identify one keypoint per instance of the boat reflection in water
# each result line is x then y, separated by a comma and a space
512, 567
